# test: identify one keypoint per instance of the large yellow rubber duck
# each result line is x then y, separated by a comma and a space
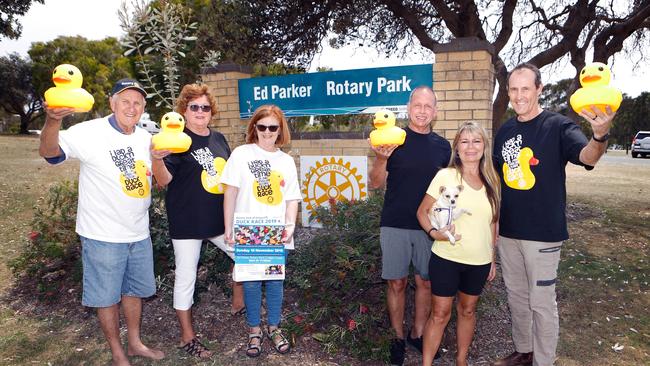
595, 90
386, 132
211, 181
171, 136
68, 92
520, 176
270, 194
136, 183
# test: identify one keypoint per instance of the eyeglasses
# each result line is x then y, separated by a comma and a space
195, 107
263, 128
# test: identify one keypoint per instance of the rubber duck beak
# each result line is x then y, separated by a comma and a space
61, 79
533, 161
591, 78
173, 125
282, 183
379, 123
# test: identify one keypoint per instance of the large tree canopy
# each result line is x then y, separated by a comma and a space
542, 33
9, 10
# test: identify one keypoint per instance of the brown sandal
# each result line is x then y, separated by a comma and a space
280, 342
196, 348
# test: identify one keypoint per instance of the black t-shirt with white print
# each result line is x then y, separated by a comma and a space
194, 199
531, 158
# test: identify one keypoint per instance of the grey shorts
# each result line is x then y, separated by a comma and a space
400, 248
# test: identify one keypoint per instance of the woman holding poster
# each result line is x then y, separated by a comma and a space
261, 180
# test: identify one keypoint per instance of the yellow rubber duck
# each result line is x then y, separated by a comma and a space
595, 90
520, 176
386, 132
68, 92
211, 181
135, 183
270, 194
171, 136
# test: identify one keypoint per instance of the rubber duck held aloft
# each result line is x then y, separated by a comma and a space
386, 132
68, 92
171, 136
595, 90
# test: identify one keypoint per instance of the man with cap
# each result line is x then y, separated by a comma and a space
112, 213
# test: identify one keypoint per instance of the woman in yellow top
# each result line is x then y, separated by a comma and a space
463, 268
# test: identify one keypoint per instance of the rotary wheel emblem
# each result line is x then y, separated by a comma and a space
331, 179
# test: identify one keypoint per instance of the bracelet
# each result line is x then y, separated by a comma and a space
432, 229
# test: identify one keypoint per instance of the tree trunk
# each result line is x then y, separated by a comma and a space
25, 121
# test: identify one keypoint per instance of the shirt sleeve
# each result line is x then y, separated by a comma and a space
172, 162
293, 187
231, 172
438, 180
73, 142
573, 141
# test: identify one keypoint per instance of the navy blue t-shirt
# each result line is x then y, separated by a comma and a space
531, 158
192, 210
411, 167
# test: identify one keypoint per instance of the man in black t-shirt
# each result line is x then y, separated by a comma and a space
411, 167
531, 151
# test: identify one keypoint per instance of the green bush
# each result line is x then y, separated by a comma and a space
51, 260
338, 274
53, 254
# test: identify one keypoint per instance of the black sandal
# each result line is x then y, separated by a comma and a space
279, 341
254, 350
196, 348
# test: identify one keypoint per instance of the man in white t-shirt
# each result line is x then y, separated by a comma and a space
112, 213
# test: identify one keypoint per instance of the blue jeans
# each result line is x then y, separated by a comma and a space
253, 301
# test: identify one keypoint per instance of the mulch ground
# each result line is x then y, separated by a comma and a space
226, 334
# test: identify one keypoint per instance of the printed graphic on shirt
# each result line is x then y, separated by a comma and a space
266, 187
212, 169
133, 173
517, 163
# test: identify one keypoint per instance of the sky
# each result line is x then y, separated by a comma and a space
97, 19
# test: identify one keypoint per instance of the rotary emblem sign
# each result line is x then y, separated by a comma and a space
331, 178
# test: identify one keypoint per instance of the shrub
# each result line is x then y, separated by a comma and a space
339, 276
53, 254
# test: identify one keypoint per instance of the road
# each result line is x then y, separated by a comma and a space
619, 157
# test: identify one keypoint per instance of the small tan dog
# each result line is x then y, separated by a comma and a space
444, 211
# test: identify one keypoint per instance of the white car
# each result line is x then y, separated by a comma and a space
149, 125
641, 144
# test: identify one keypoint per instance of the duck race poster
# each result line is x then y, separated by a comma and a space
259, 252
328, 179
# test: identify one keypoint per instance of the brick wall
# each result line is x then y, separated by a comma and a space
463, 78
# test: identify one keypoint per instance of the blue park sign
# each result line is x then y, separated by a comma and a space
334, 92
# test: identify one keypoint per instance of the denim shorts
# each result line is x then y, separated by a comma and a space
111, 270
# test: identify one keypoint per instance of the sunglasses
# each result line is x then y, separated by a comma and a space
263, 128
196, 107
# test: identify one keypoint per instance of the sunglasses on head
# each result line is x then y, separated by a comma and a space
263, 128
196, 107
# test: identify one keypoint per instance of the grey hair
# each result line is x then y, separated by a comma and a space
531, 67
424, 87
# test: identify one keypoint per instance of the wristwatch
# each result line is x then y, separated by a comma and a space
430, 230
602, 139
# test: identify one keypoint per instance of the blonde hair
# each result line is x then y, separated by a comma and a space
269, 110
487, 173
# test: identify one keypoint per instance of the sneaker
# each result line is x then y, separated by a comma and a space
417, 344
397, 348
516, 359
